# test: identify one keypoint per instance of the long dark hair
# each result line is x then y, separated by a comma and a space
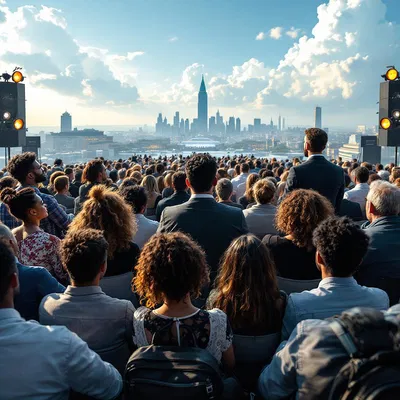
246, 286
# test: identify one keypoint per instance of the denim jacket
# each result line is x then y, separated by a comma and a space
331, 297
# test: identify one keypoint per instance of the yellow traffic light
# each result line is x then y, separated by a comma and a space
17, 77
392, 74
385, 123
19, 124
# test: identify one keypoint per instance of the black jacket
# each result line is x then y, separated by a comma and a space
320, 175
212, 225
174, 200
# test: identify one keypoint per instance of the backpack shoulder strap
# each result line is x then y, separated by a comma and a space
344, 337
270, 239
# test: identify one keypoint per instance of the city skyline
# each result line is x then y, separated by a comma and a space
257, 61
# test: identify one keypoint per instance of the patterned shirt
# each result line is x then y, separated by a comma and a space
7, 219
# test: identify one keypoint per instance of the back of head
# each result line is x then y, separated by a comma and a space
201, 171
170, 267
250, 182
179, 181
55, 175
19, 202
342, 245
107, 211
385, 198
361, 174
367, 165
8, 182
83, 253
317, 139
224, 189
7, 268
58, 162
245, 168
92, 170
61, 183
264, 191
247, 289
114, 175
150, 184
78, 175
20, 166
300, 213
135, 196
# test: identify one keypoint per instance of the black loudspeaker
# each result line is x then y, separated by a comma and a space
388, 102
32, 145
371, 151
12, 104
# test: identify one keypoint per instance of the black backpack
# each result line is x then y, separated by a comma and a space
172, 372
372, 342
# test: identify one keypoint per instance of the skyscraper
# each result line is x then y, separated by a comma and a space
257, 125
279, 123
238, 125
283, 123
182, 126
187, 126
212, 125
66, 122
159, 124
231, 125
318, 117
176, 124
202, 108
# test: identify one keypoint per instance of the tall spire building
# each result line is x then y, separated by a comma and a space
202, 108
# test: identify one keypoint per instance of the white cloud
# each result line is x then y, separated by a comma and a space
350, 38
173, 39
276, 33
293, 33
52, 15
261, 36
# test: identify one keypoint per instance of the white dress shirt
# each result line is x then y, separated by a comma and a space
242, 178
45, 362
146, 229
358, 195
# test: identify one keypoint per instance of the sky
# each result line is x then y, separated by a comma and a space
122, 62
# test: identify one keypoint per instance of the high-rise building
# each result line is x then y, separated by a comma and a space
231, 125
238, 125
66, 122
257, 125
159, 124
187, 126
202, 108
175, 127
271, 124
318, 117
212, 125
220, 128
182, 126
279, 123
283, 123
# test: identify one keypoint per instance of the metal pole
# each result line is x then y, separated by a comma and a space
9, 154
395, 156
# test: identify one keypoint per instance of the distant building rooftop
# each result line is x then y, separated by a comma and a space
80, 132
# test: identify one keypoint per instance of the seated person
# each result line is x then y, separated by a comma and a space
360, 176
136, 197
260, 218
35, 282
179, 196
103, 322
312, 358
340, 247
383, 257
45, 362
247, 198
349, 208
297, 216
35, 246
224, 191
107, 211
61, 187
170, 270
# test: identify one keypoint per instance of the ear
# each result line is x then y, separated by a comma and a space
370, 208
14, 281
214, 182
187, 182
103, 269
318, 260
32, 211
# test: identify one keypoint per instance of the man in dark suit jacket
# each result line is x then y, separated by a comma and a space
317, 173
179, 196
212, 225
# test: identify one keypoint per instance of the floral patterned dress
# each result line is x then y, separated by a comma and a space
41, 249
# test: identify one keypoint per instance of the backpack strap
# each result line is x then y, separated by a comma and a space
344, 337
270, 239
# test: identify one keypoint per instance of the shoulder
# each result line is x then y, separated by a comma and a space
140, 313
217, 315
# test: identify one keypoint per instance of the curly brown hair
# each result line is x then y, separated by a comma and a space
300, 213
170, 266
107, 211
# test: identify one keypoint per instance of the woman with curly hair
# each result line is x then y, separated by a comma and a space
298, 215
107, 211
248, 197
35, 246
171, 269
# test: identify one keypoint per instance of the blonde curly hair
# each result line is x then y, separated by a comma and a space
107, 211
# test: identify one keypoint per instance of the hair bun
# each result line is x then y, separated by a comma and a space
98, 192
7, 195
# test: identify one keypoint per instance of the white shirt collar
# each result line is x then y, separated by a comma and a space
316, 155
201, 196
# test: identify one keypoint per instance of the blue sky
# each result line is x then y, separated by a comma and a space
123, 61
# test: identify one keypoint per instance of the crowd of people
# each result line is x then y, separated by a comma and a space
245, 258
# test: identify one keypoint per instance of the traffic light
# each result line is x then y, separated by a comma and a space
389, 109
12, 110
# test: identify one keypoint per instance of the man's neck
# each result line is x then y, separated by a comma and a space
314, 154
95, 282
210, 192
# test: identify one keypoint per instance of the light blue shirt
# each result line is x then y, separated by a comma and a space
45, 362
331, 297
308, 363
